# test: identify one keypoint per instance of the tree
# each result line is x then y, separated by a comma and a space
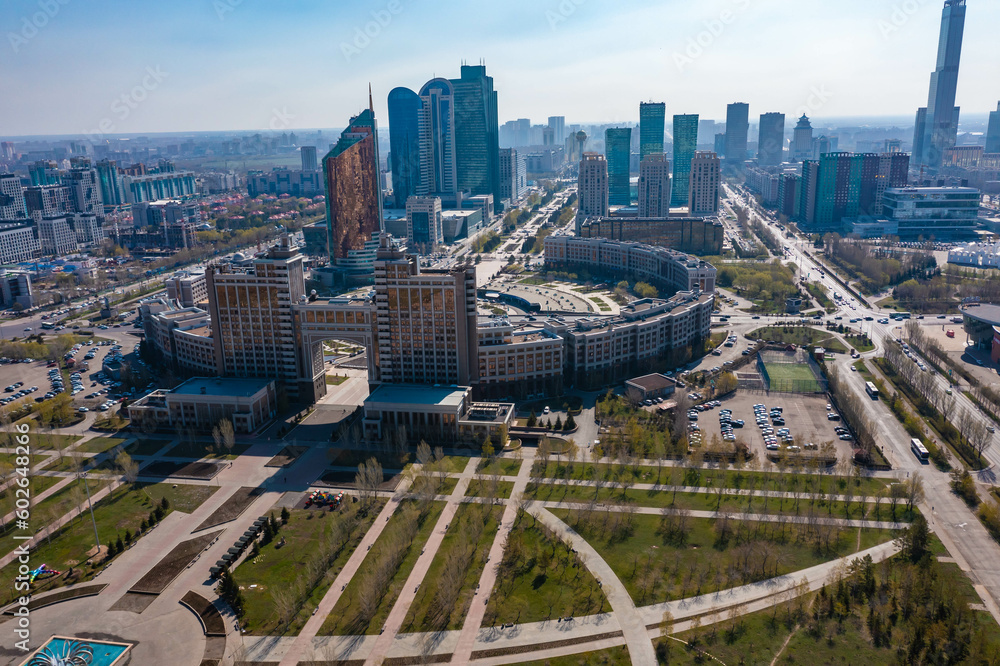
915, 538
532, 419
226, 434
129, 468
570, 422
368, 479
914, 487
285, 515
424, 455
558, 425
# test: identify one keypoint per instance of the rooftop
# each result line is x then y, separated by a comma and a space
986, 312
239, 388
653, 382
446, 396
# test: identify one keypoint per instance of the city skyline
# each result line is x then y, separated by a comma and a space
168, 88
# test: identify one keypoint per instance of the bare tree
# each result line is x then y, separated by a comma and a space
227, 434
129, 468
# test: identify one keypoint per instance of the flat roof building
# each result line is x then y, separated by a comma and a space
202, 402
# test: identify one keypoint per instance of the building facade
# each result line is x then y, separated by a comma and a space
687, 234
513, 175
704, 182
617, 150
936, 126
17, 243
737, 130
202, 402
593, 185
12, 206
771, 139
423, 221
654, 186
685, 146
652, 116
404, 143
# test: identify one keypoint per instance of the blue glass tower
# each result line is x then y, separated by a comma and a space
617, 149
404, 144
685, 145
937, 125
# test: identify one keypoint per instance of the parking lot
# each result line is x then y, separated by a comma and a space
805, 417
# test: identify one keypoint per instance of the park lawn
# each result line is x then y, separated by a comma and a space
51, 441
66, 463
453, 464
753, 638
281, 568
614, 656
655, 569
183, 497
799, 335
196, 450
101, 444
433, 484
67, 547
479, 488
733, 504
421, 615
501, 466
39, 484
863, 370
541, 578
145, 447
343, 619
674, 475
859, 344
336, 380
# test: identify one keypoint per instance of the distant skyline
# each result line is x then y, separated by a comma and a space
218, 65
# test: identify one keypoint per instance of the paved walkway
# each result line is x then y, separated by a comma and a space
303, 642
487, 580
640, 648
409, 592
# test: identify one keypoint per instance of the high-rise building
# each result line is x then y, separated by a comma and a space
593, 185
308, 155
771, 139
685, 145
618, 150
720, 144
404, 143
936, 125
17, 243
737, 129
705, 178
46, 200
110, 179
654, 186
7, 150
424, 226
513, 175
993, 132
84, 187
477, 134
44, 172
706, 132
847, 185
652, 116
12, 205
802, 140
438, 163
426, 321
253, 329
558, 125
353, 192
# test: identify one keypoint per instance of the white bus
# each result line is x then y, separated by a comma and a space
919, 450
872, 390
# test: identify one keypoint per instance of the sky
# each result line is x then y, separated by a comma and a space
96, 67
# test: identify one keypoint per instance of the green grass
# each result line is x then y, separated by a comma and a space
335, 380
614, 656
798, 335
52, 442
433, 484
66, 549
479, 488
100, 444
734, 504
39, 484
501, 466
863, 370
471, 521
860, 344
278, 569
188, 449
66, 464
540, 578
345, 618
656, 568
784, 375
708, 478
145, 447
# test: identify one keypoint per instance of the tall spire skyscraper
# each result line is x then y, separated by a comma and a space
936, 125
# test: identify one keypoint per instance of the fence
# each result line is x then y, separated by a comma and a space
790, 372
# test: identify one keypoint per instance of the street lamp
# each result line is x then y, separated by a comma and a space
83, 475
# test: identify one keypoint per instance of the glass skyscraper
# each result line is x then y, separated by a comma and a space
652, 117
737, 129
617, 149
771, 139
685, 145
936, 126
993, 132
438, 160
477, 132
404, 144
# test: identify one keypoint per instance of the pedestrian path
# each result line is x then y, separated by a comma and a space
474, 618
